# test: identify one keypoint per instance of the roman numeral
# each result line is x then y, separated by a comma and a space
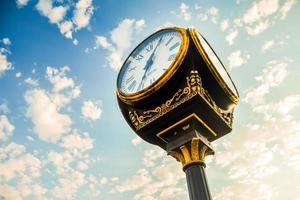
132, 85
141, 86
149, 48
130, 69
172, 57
139, 57
129, 79
169, 41
174, 46
152, 80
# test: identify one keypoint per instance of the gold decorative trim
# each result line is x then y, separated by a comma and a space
211, 66
165, 77
193, 87
192, 153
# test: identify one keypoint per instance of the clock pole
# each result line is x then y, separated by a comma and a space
192, 156
197, 183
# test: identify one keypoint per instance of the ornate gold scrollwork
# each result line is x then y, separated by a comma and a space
192, 153
193, 87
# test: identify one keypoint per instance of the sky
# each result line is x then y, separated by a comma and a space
62, 135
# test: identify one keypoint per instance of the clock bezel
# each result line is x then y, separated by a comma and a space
234, 98
172, 68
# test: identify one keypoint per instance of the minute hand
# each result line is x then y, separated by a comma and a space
150, 60
149, 63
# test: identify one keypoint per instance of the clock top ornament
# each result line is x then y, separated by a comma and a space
173, 88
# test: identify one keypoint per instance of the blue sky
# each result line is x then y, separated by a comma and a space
62, 135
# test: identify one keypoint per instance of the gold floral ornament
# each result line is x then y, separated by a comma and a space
193, 87
193, 152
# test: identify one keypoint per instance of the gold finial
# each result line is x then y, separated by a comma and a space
194, 81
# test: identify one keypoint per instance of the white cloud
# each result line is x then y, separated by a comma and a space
5, 65
49, 123
44, 107
245, 191
121, 38
267, 45
260, 10
6, 128
287, 6
58, 78
211, 13
29, 138
151, 155
66, 29
232, 34
256, 167
9, 193
31, 82
160, 178
237, 58
281, 108
121, 35
272, 76
287, 104
75, 141
165, 178
82, 14
17, 163
6, 41
135, 182
91, 111
171, 193
75, 42
57, 14
64, 88
4, 108
70, 165
258, 28
18, 74
54, 14
67, 187
102, 42
11, 150
184, 12
136, 140
22, 3
264, 13
224, 25
139, 25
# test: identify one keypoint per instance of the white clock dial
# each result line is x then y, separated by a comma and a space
149, 61
217, 63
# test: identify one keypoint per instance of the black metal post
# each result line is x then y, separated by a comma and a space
197, 183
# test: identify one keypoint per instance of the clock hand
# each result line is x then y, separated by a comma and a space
150, 60
149, 64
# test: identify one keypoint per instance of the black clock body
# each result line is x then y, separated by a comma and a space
192, 99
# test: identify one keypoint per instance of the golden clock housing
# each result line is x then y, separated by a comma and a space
211, 60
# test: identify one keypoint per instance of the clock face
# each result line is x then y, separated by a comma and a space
217, 63
149, 61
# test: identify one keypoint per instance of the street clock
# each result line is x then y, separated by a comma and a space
174, 92
174, 78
